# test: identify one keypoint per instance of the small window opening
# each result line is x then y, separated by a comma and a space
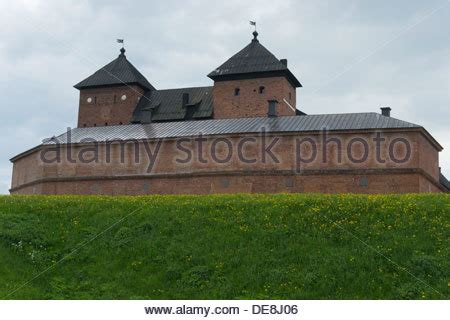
262, 89
225, 183
84, 125
120, 123
237, 91
95, 124
106, 123
290, 96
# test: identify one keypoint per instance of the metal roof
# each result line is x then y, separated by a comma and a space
254, 58
306, 123
118, 72
168, 104
443, 180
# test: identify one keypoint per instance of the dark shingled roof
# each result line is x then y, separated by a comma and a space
118, 72
443, 180
307, 123
253, 59
167, 105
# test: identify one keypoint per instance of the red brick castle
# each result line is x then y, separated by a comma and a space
243, 134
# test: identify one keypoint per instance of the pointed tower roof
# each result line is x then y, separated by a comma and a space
253, 61
118, 72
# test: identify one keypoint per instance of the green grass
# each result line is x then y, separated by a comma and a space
225, 247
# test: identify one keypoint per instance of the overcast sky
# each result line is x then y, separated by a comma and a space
350, 56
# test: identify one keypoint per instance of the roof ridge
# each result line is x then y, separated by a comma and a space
285, 124
184, 88
285, 118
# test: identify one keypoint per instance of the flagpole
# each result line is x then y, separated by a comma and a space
122, 41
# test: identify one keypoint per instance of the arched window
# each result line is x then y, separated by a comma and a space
262, 89
237, 91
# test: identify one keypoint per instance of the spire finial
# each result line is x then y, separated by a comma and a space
122, 51
255, 36
255, 33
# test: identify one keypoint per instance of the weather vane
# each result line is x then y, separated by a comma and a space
253, 23
121, 41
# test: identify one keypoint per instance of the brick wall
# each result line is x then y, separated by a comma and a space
106, 106
428, 158
387, 183
250, 102
205, 173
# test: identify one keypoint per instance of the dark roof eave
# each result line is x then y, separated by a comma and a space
80, 87
262, 74
25, 153
444, 182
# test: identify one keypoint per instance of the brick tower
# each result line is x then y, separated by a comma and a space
110, 95
245, 83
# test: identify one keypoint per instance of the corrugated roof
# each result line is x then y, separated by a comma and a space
118, 72
168, 105
332, 122
254, 58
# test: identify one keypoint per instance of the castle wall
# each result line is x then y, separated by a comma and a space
249, 163
250, 102
428, 158
105, 105
237, 183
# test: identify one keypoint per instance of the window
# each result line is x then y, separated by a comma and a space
290, 96
289, 182
95, 124
84, 125
224, 183
363, 181
262, 89
106, 123
237, 91
120, 123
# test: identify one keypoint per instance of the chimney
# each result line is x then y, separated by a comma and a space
272, 108
146, 116
284, 62
386, 111
185, 100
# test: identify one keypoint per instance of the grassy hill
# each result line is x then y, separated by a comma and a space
225, 247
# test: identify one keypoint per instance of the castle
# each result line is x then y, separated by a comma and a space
243, 134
